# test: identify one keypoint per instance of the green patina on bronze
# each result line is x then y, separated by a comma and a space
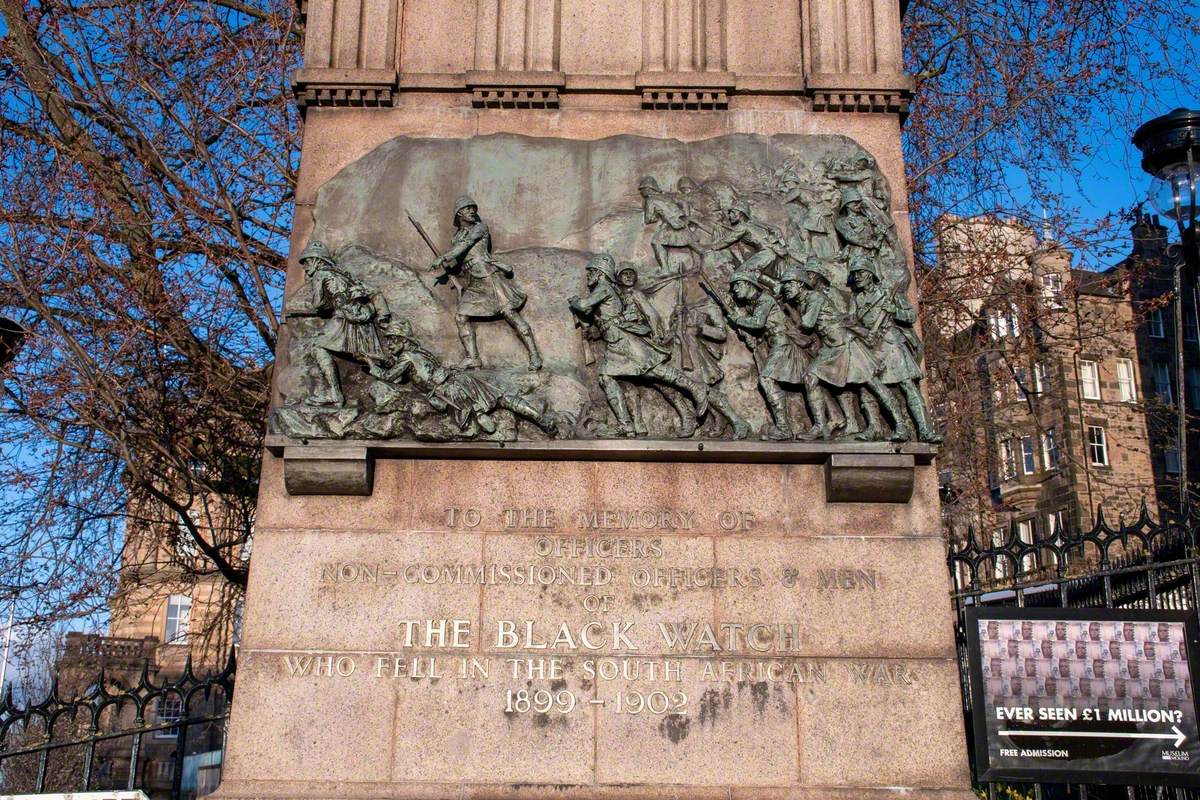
633, 288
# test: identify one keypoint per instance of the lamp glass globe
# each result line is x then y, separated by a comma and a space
1173, 193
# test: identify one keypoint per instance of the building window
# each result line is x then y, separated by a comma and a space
1162, 382
1020, 380
1025, 534
179, 612
1171, 456
1056, 524
208, 777
1052, 289
1193, 388
1089, 380
1000, 566
1097, 445
248, 545
1008, 460
1049, 449
1028, 461
170, 709
185, 543
1041, 377
1155, 324
1126, 388
1004, 322
239, 615
1189, 325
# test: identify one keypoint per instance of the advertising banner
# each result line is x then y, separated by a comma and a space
1084, 695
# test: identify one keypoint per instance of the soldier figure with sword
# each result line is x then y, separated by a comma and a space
488, 292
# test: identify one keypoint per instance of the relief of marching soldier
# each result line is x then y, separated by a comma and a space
760, 245
866, 229
844, 360
697, 329
786, 362
812, 209
631, 349
673, 233
888, 318
702, 345
671, 230
863, 175
488, 292
639, 309
350, 310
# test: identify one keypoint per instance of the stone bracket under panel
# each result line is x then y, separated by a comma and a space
332, 469
861, 472
869, 478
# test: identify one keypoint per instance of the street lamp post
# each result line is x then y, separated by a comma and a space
11, 337
1170, 147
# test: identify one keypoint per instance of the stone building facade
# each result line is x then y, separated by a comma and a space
1057, 407
164, 613
1150, 266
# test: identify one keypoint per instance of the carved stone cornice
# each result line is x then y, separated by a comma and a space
685, 91
851, 93
660, 90
343, 87
685, 99
509, 89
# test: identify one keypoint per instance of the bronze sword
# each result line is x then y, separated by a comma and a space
453, 281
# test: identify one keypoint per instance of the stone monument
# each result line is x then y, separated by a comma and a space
598, 463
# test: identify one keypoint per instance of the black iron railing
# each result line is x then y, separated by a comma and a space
95, 736
1139, 564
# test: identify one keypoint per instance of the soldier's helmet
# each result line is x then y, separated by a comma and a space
744, 276
851, 196
814, 266
740, 206
316, 251
648, 182
398, 328
627, 275
686, 185
863, 263
464, 202
604, 264
792, 273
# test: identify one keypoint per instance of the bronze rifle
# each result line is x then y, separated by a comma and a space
745, 337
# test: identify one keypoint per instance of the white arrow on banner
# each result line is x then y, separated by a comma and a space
1178, 735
